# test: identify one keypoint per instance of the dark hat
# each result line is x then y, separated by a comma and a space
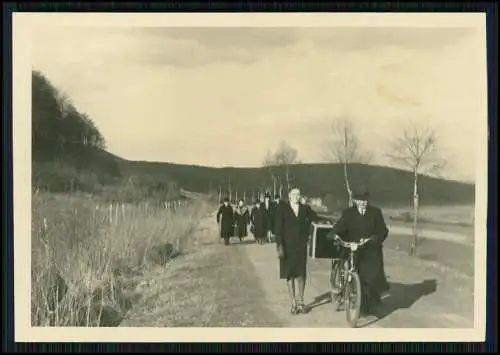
226, 199
361, 193
276, 197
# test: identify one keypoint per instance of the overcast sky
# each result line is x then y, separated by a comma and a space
224, 96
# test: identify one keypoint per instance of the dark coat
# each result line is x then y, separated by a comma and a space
225, 216
258, 222
241, 219
269, 215
292, 234
352, 227
312, 217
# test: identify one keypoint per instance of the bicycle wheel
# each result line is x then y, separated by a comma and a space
336, 284
353, 299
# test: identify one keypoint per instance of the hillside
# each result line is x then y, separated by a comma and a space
387, 185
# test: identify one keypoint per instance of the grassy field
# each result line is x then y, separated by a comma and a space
456, 215
88, 259
447, 215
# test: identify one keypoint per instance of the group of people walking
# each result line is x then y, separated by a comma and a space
235, 221
289, 222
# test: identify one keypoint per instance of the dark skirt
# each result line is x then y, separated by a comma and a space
241, 230
293, 265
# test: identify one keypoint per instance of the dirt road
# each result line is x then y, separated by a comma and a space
237, 286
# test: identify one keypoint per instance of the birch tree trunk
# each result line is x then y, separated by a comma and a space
347, 185
414, 238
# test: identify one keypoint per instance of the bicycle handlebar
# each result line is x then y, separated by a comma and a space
350, 245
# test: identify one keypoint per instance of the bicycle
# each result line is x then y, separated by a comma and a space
345, 282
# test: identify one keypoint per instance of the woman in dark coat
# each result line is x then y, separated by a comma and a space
225, 218
258, 225
242, 219
292, 227
362, 221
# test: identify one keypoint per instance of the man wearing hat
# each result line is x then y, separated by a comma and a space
365, 221
225, 216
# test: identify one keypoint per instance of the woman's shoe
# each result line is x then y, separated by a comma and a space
301, 308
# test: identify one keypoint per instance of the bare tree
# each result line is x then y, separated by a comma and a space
417, 150
284, 156
343, 147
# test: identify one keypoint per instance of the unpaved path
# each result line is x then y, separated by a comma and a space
237, 286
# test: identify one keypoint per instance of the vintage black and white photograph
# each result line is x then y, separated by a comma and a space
231, 172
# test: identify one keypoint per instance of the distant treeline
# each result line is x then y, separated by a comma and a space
69, 155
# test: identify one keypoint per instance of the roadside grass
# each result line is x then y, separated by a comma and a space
443, 253
211, 286
89, 260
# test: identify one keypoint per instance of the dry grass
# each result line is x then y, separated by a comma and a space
86, 267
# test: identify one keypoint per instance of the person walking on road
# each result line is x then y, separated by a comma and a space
269, 216
225, 218
242, 219
365, 221
257, 221
292, 231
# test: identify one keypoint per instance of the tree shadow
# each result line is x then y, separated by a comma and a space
403, 296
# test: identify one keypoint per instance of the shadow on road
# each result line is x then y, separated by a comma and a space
320, 300
247, 241
403, 296
235, 242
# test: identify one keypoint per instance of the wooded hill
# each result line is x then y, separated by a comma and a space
387, 185
69, 154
